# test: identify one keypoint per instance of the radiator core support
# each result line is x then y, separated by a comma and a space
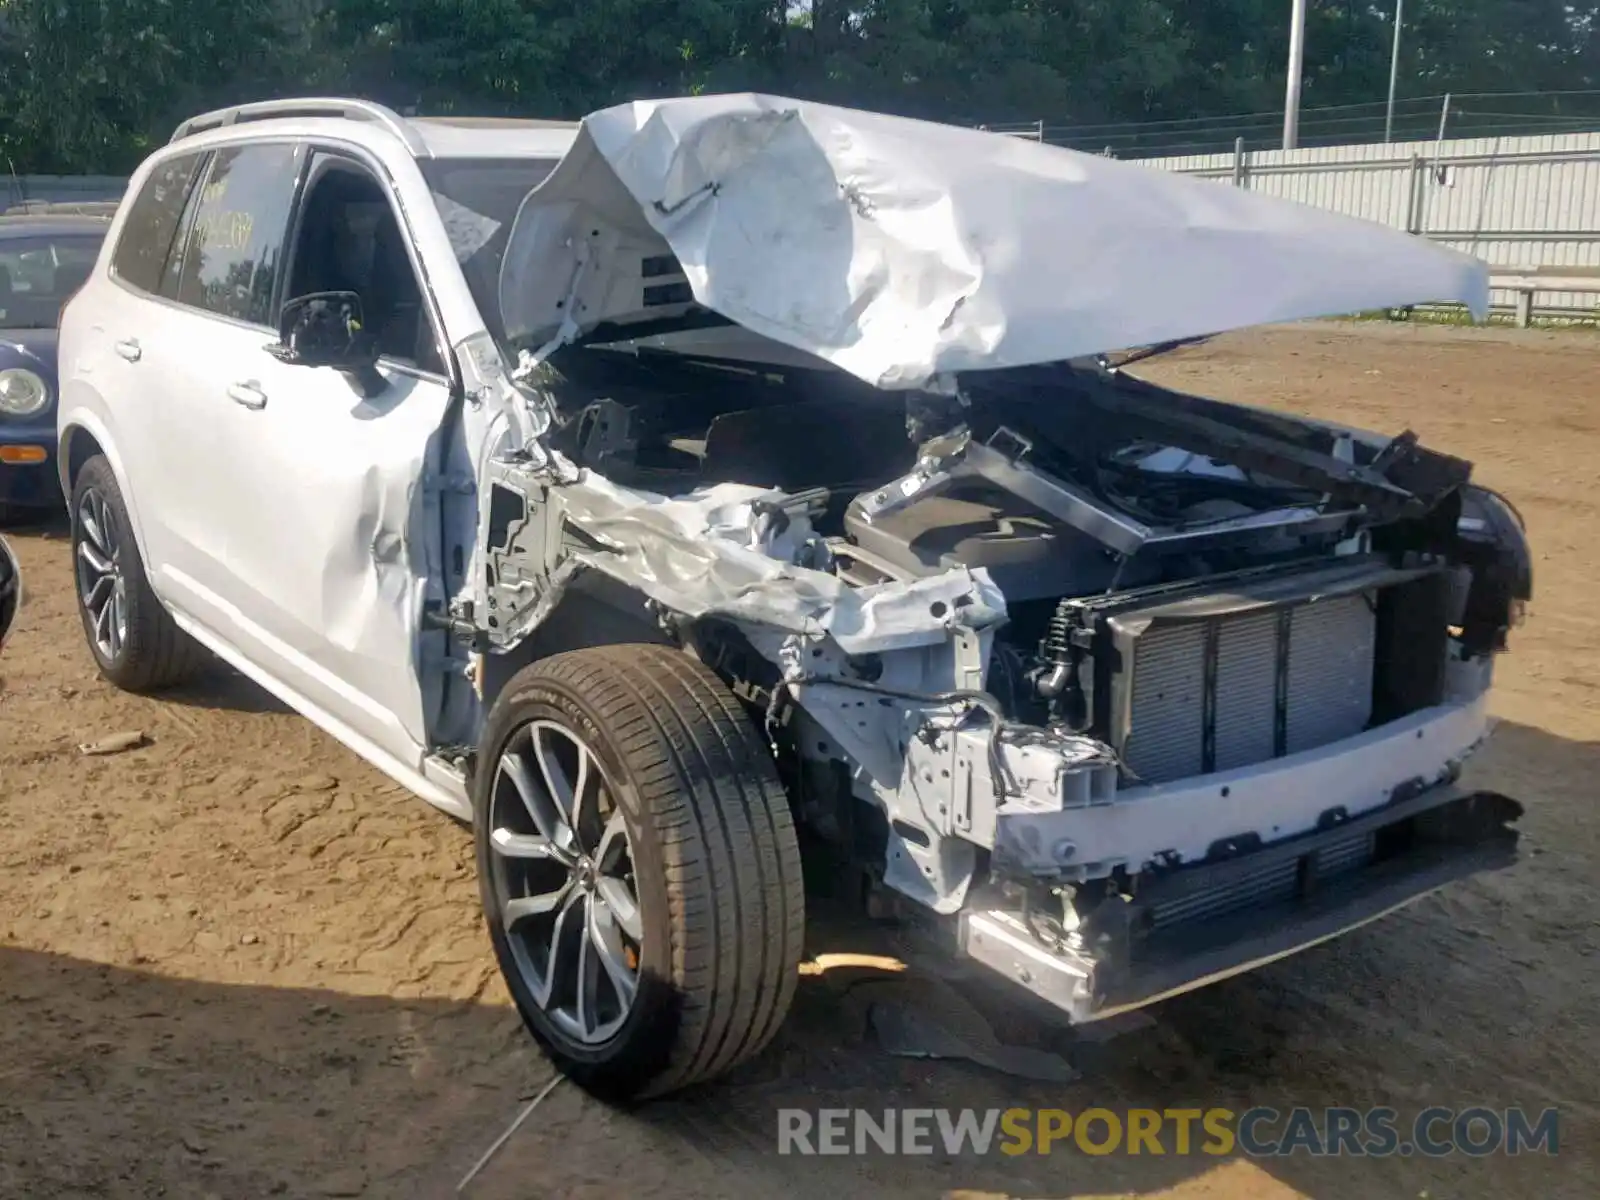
1230, 671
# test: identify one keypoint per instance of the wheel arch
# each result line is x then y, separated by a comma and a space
81, 439
594, 610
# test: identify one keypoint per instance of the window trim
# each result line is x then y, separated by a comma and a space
352, 155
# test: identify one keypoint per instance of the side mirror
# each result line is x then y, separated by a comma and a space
10, 590
328, 329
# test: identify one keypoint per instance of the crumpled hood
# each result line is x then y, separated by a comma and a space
899, 250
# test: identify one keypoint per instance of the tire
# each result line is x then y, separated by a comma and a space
711, 860
136, 644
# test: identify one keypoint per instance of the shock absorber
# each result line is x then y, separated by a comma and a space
1061, 653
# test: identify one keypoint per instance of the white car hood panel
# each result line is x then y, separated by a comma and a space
900, 250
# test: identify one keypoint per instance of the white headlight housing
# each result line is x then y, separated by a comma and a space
22, 392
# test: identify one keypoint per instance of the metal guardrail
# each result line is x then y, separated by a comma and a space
1527, 282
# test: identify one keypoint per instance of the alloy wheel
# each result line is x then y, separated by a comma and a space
102, 584
563, 874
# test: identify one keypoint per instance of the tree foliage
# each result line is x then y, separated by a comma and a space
89, 85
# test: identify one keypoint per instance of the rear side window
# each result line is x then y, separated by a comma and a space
235, 250
39, 274
152, 222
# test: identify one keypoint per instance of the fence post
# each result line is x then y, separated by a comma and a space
1413, 197
1238, 162
1525, 308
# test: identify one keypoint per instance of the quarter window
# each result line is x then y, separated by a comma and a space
152, 223
234, 253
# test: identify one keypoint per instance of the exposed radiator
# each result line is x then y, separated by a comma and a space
1213, 695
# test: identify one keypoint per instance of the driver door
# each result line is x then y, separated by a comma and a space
329, 569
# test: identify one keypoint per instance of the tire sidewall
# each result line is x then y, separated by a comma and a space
642, 1048
96, 476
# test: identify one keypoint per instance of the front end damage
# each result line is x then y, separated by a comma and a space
1120, 690
1246, 738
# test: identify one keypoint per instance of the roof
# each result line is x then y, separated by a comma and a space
50, 224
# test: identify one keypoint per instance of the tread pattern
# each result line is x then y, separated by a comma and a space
157, 654
727, 837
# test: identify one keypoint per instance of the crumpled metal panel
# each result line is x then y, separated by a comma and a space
695, 555
704, 555
901, 250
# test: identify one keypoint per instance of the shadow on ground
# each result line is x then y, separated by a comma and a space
120, 1083
222, 688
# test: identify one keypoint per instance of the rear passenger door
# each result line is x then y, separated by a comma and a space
121, 323
198, 349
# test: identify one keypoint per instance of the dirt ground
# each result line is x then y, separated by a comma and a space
239, 963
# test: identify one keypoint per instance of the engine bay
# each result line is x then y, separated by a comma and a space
669, 423
1084, 492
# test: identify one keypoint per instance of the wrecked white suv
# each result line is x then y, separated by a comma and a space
731, 482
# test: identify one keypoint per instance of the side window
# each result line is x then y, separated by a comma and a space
350, 240
234, 251
152, 223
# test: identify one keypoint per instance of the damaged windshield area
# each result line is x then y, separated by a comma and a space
478, 200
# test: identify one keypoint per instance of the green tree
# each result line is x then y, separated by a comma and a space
89, 85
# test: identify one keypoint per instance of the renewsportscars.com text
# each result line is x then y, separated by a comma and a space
1257, 1132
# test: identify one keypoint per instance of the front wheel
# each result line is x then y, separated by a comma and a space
639, 868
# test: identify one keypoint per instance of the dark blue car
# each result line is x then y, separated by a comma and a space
44, 259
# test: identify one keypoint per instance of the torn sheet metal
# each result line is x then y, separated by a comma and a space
900, 250
712, 553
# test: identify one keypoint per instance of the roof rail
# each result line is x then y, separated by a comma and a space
314, 106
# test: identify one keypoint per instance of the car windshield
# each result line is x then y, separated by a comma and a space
39, 273
478, 199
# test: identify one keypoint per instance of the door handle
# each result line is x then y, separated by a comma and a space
248, 394
129, 349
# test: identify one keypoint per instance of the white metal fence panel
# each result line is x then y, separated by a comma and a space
56, 189
1515, 202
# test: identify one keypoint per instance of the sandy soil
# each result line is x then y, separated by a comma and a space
239, 963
